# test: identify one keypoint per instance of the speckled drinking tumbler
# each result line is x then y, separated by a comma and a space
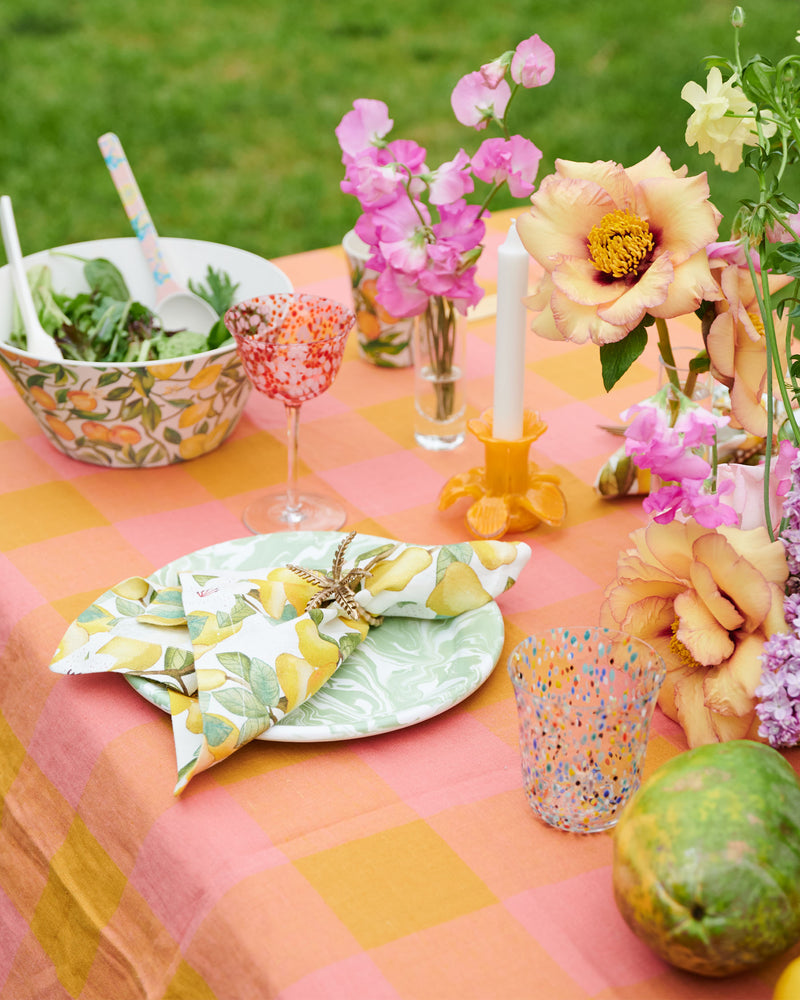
585, 698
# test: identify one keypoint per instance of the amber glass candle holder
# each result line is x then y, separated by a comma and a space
509, 493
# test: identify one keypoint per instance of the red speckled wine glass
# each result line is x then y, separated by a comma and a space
291, 346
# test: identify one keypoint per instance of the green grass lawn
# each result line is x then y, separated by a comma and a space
227, 108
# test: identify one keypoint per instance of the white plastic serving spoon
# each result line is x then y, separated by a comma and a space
178, 308
39, 343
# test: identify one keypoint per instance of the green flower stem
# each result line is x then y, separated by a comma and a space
671, 369
665, 350
764, 300
691, 382
439, 333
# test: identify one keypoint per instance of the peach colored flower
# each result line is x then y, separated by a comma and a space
707, 599
617, 244
735, 340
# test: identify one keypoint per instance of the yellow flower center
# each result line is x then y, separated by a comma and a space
757, 321
620, 243
678, 648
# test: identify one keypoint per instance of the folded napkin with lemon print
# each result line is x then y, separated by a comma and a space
235, 651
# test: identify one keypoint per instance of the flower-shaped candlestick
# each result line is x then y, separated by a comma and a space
510, 493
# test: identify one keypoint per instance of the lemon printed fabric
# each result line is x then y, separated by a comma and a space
236, 653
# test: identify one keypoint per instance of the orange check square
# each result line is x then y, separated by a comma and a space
394, 883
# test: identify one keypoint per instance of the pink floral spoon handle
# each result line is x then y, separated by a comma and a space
136, 210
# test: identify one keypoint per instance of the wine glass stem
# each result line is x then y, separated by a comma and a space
293, 512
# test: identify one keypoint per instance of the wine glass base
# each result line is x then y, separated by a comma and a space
270, 513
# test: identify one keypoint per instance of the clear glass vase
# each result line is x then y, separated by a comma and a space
439, 353
686, 387
693, 384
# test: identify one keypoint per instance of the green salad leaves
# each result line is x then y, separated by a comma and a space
106, 324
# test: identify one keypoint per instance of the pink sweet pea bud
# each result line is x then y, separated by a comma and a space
533, 63
495, 71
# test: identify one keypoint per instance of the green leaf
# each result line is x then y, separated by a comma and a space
216, 730
218, 335
179, 344
104, 277
126, 608
264, 682
187, 767
251, 728
177, 659
151, 415
121, 392
617, 358
349, 642
92, 614
169, 595
240, 701
131, 410
241, 610
218, 290
700, 363
453, 553
236, 663
379, 550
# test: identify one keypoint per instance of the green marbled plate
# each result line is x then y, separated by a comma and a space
407, 670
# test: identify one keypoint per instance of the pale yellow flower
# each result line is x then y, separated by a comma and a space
722, 122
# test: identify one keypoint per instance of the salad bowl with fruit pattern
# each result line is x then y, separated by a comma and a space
174, 404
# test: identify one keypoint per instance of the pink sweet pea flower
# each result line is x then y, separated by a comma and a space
401, 294
666, 450
533, 63
451, 181
688, 500
746, 485
515, 160
374, 184
698, 427
778, 233
406, 152
377, 176
732, 252
402, 236
475, 103
461, 225
364, 126
464, 290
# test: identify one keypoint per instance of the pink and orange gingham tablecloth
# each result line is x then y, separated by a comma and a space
404, 866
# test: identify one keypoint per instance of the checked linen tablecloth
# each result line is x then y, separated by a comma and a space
402, 866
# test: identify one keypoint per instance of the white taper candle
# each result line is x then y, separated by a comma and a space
509, 352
